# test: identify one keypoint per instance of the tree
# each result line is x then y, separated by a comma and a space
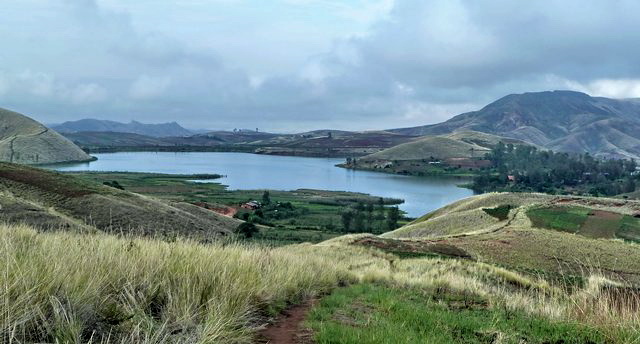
392, 218
247, 229
629, 185
358, 222
266, 198
347, 218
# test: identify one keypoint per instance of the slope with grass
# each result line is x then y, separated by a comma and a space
534, 232
49, 200
150, 291
458, 153
25, 141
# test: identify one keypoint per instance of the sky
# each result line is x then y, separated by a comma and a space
296, 65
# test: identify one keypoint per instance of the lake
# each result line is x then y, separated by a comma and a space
244, 171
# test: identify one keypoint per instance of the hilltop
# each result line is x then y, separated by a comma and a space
464, 144
558, 120
50, 200
455, 153
96, 125
25, 141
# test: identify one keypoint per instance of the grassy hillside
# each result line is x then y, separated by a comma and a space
537, 232
464, 144
48, 200
458, 153
439, 147
294, 216
150, 291
25, 141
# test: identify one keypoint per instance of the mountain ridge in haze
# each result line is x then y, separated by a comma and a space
135, 127
559, 120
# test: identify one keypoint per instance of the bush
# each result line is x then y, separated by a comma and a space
247, 229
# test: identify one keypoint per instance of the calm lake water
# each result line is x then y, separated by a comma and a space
245, 171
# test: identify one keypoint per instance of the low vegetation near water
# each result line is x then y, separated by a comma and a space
284, 217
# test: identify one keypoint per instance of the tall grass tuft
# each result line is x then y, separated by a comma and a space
70, 288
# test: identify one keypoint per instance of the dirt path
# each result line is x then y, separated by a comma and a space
288, 327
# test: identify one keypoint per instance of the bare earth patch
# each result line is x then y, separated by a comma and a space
601, 224
288, 327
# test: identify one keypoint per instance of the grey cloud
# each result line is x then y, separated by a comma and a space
424, 62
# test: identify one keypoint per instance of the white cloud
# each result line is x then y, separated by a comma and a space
145, 87
614, 88
88, 93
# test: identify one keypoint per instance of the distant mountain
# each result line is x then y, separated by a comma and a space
91, 139
96, 125
558, 120
25, 141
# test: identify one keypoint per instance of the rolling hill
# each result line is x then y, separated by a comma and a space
559, 120
532, 232
50, 200
25, 141
428, 155
465, 144
96, 125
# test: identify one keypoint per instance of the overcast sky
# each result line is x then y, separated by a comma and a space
287, 65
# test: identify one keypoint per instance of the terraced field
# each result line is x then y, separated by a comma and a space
597, 224
537, 233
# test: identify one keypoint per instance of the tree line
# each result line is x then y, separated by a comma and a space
526, 168
369, 218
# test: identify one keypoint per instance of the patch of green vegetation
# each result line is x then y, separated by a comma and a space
566, 219
286, 217
586, 222
368, 313
629, 228
500, 212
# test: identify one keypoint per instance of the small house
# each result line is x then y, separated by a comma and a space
252, 205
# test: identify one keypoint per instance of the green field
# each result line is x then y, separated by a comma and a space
587, 222
369, 313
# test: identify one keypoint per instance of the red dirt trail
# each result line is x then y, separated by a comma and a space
288, 327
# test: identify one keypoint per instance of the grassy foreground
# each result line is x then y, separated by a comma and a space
69, 288
368, 313
72, 288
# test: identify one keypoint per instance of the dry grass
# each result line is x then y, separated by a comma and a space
65, 287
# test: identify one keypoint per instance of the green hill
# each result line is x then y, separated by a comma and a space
25, 141
50, 200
